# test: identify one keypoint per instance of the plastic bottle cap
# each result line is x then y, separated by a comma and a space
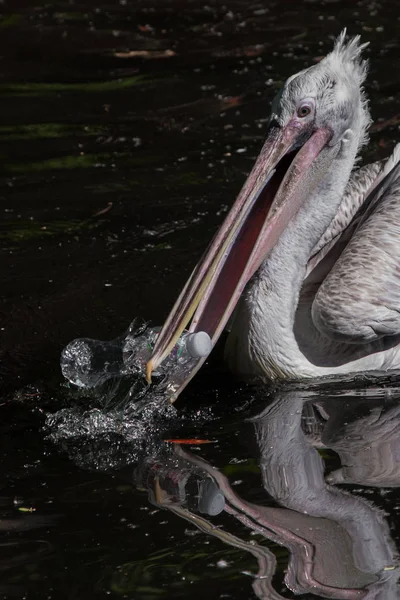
211, 499
198, 344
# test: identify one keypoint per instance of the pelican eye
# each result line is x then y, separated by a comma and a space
304, 110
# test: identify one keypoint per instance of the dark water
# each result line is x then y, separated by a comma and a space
126, 130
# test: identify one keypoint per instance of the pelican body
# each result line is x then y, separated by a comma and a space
306, 265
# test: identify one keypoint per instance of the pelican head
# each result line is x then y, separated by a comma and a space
329, 94
314, 117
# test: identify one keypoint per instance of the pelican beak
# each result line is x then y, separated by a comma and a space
270, 197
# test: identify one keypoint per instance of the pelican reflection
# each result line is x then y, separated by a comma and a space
339, 544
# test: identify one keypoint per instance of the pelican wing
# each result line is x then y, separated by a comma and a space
359, 300
360, 184
360, 194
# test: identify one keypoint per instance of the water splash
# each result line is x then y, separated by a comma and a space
103, 440
113, 411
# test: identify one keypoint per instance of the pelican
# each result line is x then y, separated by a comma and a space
306, 266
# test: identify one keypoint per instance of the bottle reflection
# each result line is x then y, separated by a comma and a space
173, 481
339, 544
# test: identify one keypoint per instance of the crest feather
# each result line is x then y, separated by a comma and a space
349, 54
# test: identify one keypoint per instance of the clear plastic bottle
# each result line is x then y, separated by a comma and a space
88, 363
